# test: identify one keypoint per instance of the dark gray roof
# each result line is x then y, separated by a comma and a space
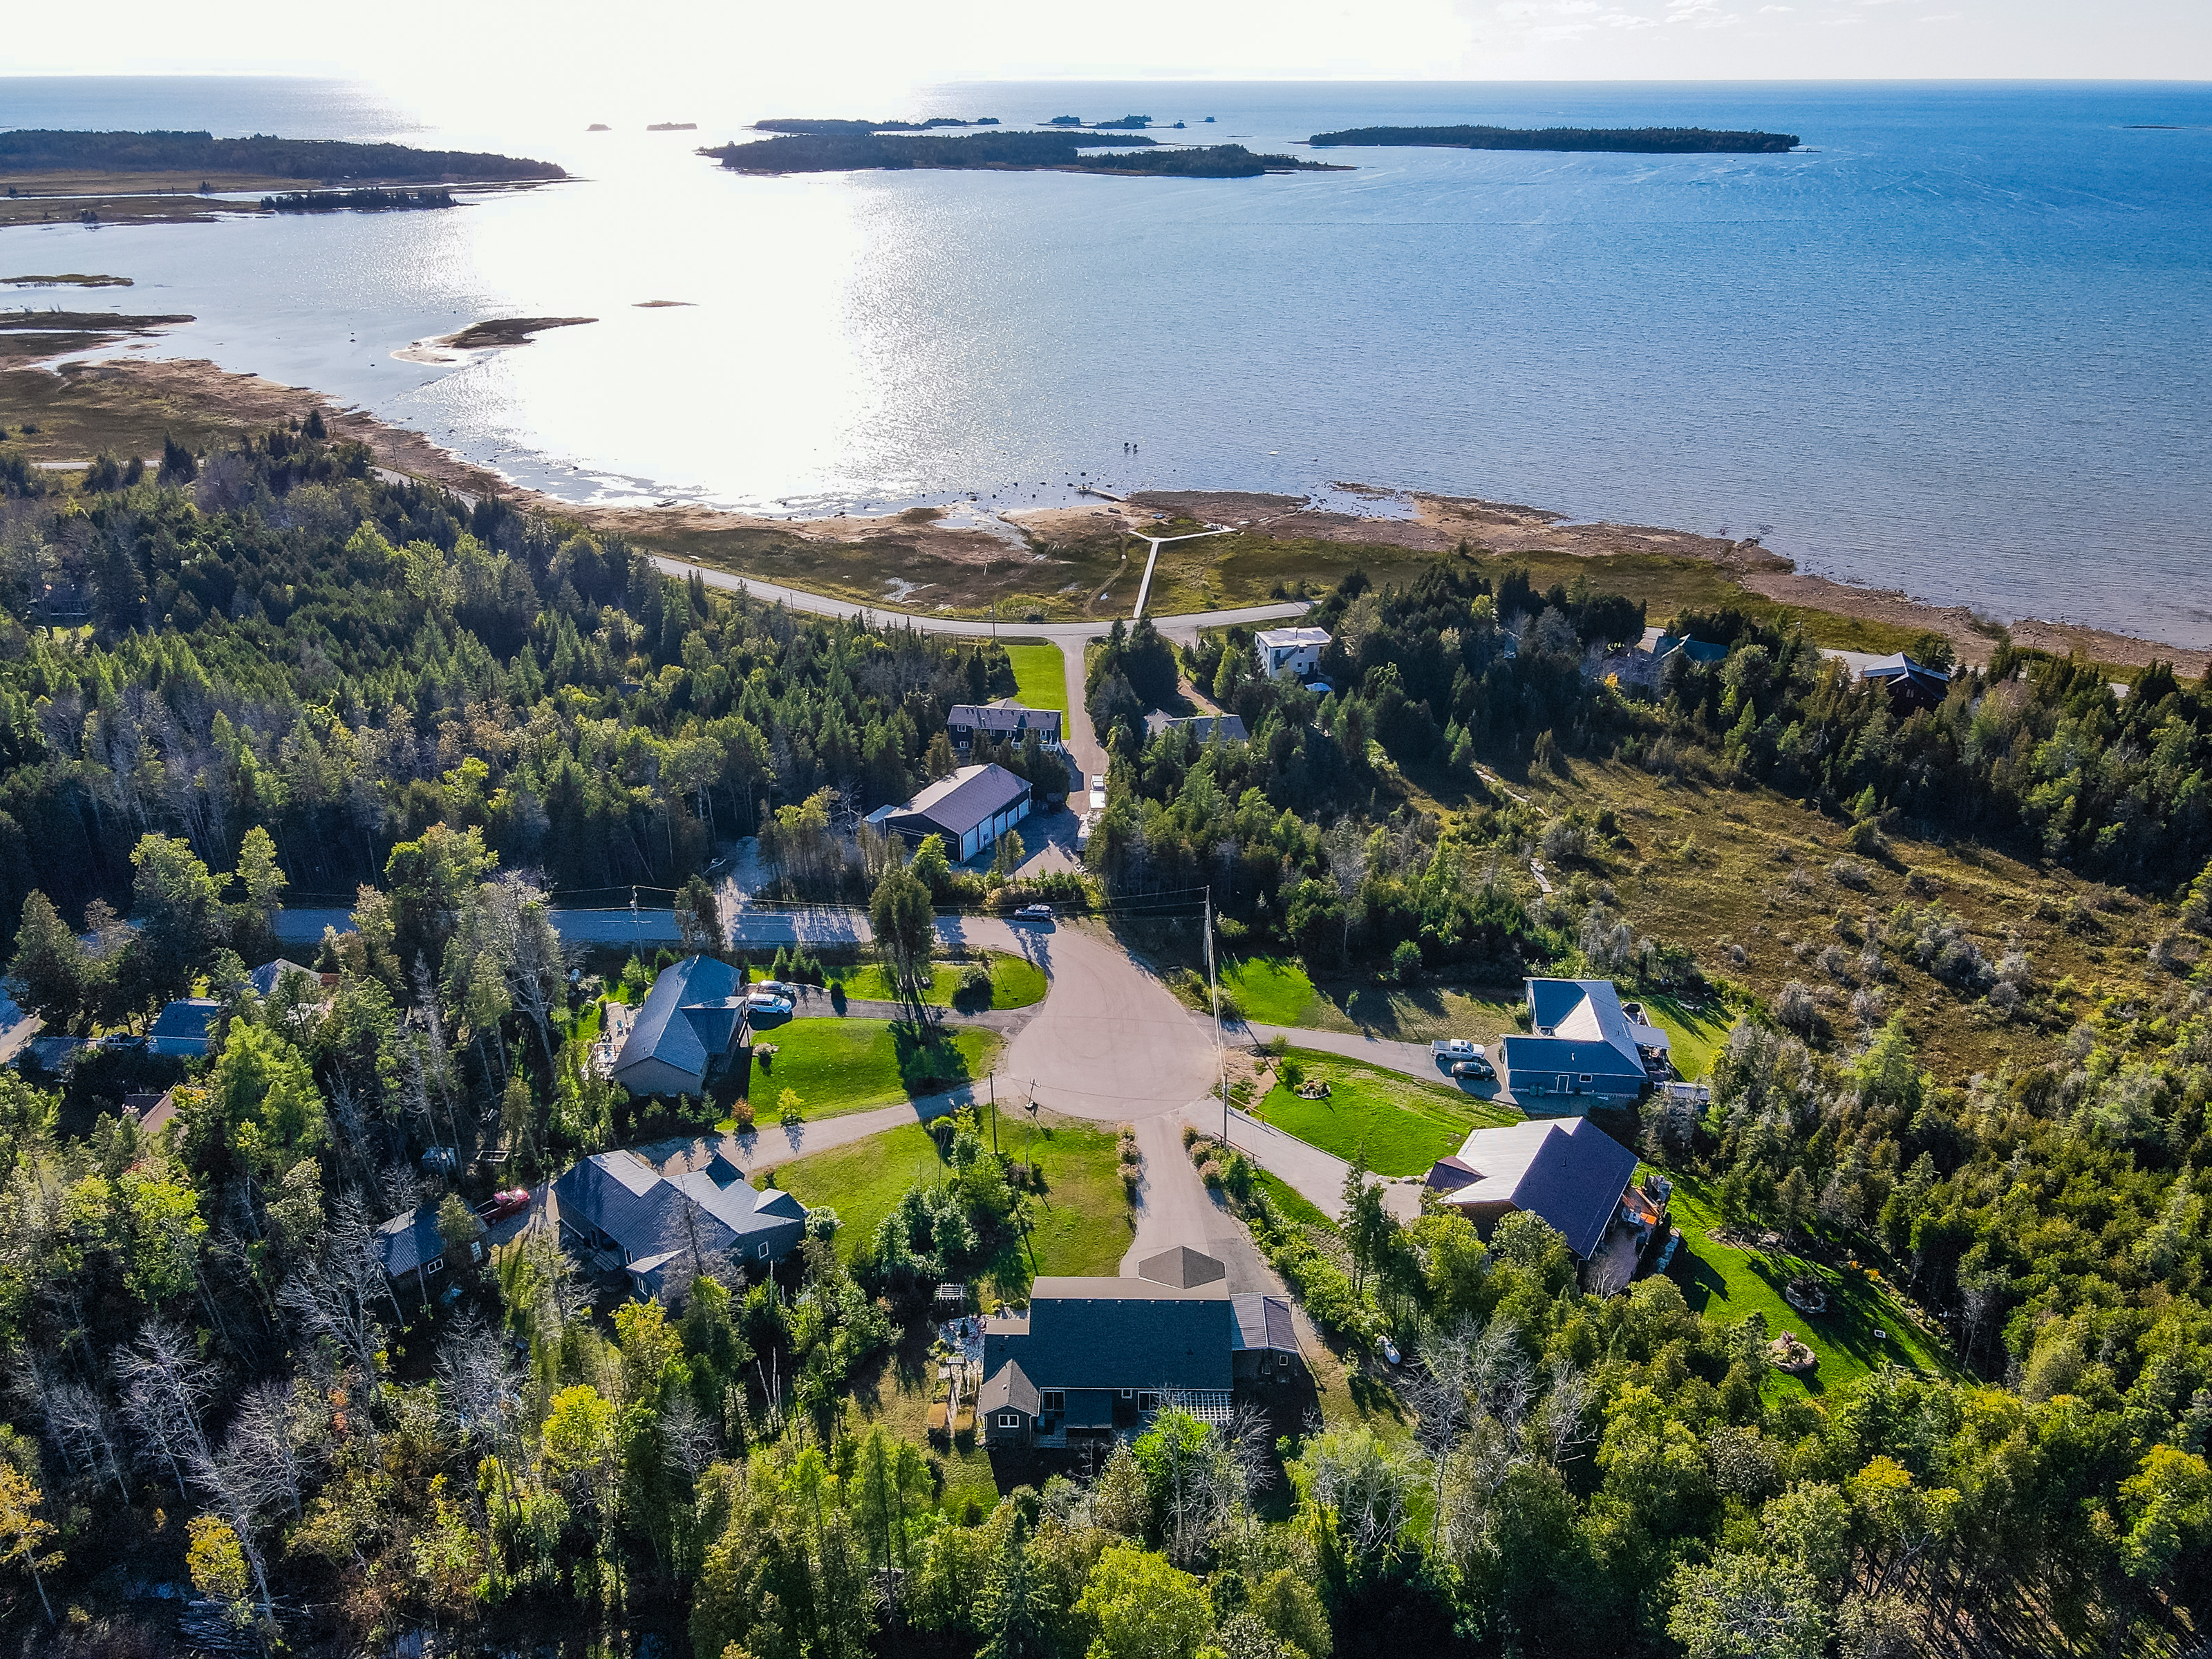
1008, 716
1117, 1334
263, 979
1008, 1390
1181, 1267
1264, 1322
972, 795
1570, 1172
689, 1008
183, 1027
407, 1242
650, 1214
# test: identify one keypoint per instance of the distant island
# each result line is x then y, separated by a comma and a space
324, 160
506, 331
673, 126
1639, 141
1024, 152
368, 200
805, 125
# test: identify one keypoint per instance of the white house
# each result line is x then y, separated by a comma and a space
1292, 651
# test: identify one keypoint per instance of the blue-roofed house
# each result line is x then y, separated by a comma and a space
692, 1021
617, 1204
1569, 1171
184, 1028
1583, 1048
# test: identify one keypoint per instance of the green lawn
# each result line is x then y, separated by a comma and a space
1272, 990
1730, 1284
1405, 1126
1079, 1225
839, 1066
1290, 1203
1695, 1035
1016, 982
861, 1181
1040, 677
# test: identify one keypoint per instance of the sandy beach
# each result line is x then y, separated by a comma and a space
1414, 521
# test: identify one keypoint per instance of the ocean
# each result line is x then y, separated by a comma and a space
1961, 344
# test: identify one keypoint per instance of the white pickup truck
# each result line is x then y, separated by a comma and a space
1455, 1049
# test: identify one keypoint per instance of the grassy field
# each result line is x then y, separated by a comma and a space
1039, 676
1404, 1125
1695, 1034
838, 1065
1079, 1225
1015, 981
1272, 990
861, 1181
1730, 1284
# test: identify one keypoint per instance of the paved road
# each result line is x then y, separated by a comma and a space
1316, 1176
771, 1144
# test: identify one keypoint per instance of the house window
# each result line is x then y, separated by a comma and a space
1586, 1077
1009, 1421
1128, 1393
435, 1265
1148, 1400
763, 1252
1052, 1400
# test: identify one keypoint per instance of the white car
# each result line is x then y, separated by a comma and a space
760, 1004
1034, 913
1455, 1049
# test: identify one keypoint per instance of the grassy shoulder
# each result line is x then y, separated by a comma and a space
1016, 982
1864, 1325
1402, 1126
839, 1066
1039, 676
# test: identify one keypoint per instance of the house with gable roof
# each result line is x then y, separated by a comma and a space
692, 1021
616, 1205
1568, 1170
1584, 1048
971, 809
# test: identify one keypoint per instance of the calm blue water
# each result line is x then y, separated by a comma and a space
1963, 346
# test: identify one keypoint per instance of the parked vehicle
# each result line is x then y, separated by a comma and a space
768, 1005
773, 987
1034, 913
1480, 1070
512, 1202
1455, 1049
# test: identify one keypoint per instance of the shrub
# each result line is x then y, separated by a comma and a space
1849, 872
1190, 1133
744, 1115
1564, 840
1406, 962
1210, 1173
1795, 1010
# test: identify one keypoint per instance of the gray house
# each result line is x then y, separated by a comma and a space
1569, 1171
1585, 1048
971, 810
1092, 1357
692, 1021
1003, 721
1205, 727
184, 1029
616, 1204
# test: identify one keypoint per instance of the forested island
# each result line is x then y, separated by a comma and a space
831, 124
368, 199
261, 156
1639, 141
1063, 151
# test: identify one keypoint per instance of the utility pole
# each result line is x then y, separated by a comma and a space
994, 1115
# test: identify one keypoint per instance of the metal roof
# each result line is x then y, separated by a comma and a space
1277, 639
1570, 1172
1263, 1322
686, 1019
971, 796
184, 1027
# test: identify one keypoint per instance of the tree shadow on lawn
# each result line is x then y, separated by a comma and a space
928, 1060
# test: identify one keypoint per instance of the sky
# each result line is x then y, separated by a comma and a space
660, 52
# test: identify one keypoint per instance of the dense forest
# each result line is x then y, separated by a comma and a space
27, 151
840, 150
1635, 141
263, 673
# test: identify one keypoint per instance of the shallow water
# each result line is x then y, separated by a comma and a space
1961, 348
